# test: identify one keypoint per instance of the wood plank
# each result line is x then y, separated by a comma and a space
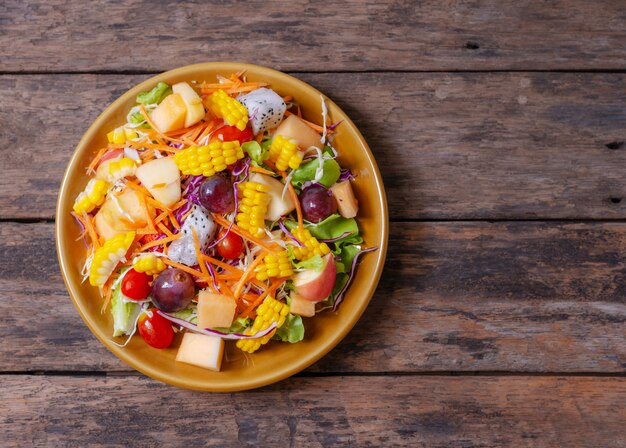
450, 146
357, 35
520, 297
316, 412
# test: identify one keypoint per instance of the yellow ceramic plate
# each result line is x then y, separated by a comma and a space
277, 360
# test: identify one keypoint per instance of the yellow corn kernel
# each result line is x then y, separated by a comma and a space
121, 135
284, 153
253, 207
108, 256
92, 197
121, 168
274, 265
270, 311
311, 247
149, 263
231, 110
208, 160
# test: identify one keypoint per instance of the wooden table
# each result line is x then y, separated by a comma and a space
499, 127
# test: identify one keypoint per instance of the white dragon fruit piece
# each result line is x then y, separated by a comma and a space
265, 109
183, 250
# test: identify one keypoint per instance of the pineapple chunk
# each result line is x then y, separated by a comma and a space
170, 114
300, 306
215, 310
201, 350
162, 179
193, 102
294, 127
346, 202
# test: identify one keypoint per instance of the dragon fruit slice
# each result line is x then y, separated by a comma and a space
265, 109
182, 250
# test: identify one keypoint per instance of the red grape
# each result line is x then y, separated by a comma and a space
318, 203
173, 290
216, 194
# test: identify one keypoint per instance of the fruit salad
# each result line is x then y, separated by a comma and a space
217, 211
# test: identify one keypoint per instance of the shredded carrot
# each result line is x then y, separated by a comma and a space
159, 242
242, 233
313, 126
247, 273
92, 166
136, 187
287, 98
144, 205
256, 169
220, 264
259, 137
196, 245
157, 204
91, 231
183, 267
296, 201
107, 290
164, 229
273, 287
178, 205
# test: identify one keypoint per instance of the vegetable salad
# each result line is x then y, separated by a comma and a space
218, 211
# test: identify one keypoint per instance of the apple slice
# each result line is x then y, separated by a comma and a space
170, 114
316, 285
195, 108
278, 205
162, 179
346, 201
294, 127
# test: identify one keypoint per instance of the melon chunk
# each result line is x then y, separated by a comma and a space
122, 214
215, 310
346, 202
201, 350
294, 127
300, 306
162, 179
170, 114
193, 102
279, 205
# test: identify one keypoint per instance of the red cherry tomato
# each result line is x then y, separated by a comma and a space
231, 133
156, 330
230, 247
136, 285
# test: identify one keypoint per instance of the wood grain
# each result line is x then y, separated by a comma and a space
326, 36
450, 146
520, 297
316, 412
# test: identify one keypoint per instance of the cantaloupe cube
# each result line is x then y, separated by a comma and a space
193, 102
294, 127
201, 350
300, 306
170, 114
162, 179
346, 202
215, 310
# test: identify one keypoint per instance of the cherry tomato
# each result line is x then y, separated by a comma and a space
156, 330
136, 285
230, 247
231, 133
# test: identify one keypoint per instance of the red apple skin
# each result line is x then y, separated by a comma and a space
316, 286
111, 155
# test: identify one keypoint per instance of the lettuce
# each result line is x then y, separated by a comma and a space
335, 226
156, 95
255, 151
315, 263
124, 312
238, 325
306, 172
291, 331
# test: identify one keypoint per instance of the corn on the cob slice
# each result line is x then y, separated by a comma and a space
118, 169
208, 160
108, 256
121, 135
311, 247
91, 197
274, 265
284, 152
252, 207
149, 263
231, 110
270, 311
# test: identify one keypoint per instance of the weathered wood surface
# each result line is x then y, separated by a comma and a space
450, 146
316, 412
325, 36
522, 297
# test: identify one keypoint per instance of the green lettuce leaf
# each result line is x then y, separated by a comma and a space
315, 262
238, 325
306, 172
124, 312
333, 227
291, 331
156, 95
255, 151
